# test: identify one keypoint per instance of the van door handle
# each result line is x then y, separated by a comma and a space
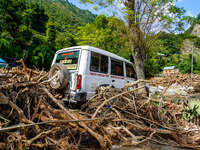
113, 80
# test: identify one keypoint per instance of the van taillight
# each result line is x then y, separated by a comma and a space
79, 81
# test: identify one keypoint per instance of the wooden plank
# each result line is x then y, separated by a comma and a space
5, 75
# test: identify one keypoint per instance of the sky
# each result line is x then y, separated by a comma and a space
192, 7
88, 7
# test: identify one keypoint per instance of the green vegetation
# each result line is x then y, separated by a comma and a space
170, 44
66, 16
197, 21
192, 110
35, 29
143, 29
104, 33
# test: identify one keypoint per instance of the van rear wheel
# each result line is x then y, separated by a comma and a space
59, 75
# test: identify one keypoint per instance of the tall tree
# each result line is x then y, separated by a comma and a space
51, 34
35, 17
145, 20
11, 22
65, 40
103, 33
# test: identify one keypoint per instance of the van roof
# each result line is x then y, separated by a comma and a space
97, 50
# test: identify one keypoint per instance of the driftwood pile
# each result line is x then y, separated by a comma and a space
169, 79
35, 117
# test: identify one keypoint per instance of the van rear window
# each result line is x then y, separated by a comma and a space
69, 59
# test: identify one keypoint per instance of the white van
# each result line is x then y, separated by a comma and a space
80, 70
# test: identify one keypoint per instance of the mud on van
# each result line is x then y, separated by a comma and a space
80, 70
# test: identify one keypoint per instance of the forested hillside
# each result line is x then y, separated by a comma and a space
178, 50
65, 15
35, 29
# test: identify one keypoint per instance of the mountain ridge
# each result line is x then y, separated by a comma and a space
64, 14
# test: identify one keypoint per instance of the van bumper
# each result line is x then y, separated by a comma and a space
80, 96
75, 97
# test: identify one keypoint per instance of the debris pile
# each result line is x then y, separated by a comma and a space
176, 84
36, 117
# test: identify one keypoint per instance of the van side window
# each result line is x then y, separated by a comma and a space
99, 63
104, 64
130, 72
117, 68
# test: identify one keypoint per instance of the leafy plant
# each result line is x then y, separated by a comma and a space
192, 110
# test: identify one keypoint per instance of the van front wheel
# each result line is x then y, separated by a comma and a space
59, 75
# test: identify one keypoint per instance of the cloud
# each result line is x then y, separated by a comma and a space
189, 13
180, 0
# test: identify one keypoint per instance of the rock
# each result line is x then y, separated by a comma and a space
177, 89
154, 89
186, 48
174, 89
196, 30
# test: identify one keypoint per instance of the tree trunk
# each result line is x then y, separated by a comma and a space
139, 59
138, 47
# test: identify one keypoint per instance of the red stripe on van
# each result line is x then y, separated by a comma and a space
115, 77
104, 75
98, 74
131, 79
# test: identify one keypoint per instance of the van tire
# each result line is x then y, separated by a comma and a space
60, 81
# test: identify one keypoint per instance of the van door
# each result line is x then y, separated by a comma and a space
117, 73
98, 73
70, 59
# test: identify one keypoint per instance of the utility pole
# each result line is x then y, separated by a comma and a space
192, 61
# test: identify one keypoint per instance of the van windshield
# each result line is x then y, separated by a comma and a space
69, 59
